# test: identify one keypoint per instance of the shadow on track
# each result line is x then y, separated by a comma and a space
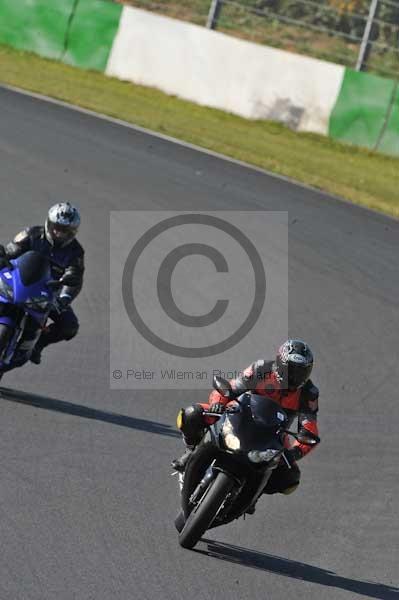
86, 412
296, 570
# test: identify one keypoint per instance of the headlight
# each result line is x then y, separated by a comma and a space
258, 456
232, 441
6, 290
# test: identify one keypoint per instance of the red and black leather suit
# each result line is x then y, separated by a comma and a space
261, 377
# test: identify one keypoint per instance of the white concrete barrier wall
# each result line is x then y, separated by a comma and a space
220, 71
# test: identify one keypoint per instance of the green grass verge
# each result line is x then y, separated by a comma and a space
360, 176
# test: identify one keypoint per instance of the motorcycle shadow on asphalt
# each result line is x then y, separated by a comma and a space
87, 412
295, 570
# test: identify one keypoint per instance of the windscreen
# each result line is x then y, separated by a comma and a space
266, 412
33, 267
256, 422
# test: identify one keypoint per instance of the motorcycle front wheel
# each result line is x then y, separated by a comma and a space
206, 510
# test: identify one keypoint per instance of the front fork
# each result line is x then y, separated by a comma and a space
210, 475
203, 484
19, 350
8, 351
262, 485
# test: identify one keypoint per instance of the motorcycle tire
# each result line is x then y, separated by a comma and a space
206, 510
179, 521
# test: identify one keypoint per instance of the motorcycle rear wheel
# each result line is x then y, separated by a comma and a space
204, 513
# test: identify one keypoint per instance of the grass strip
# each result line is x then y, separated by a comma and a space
356, 174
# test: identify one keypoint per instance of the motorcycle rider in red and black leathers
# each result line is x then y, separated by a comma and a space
286, 380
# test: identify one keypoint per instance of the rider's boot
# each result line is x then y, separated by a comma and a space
179, 464
189, 422
190, 442
36, 356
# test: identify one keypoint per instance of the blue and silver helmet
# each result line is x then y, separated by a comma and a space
62, 224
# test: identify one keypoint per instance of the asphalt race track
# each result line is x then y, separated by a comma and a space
86, 498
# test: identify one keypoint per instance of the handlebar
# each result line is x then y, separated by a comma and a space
207, 413
310, 439
228, 409
54, 284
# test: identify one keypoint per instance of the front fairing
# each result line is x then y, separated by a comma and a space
7, 281
255, 421
22, 294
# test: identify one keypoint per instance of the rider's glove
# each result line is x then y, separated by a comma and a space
218, 408
64, 301
4, 260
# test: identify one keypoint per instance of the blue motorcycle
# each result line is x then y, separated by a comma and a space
27, 295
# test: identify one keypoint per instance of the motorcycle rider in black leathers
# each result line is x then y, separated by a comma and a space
57, 241
286, 380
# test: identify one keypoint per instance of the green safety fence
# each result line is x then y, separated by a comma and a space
389, 142
79, 32
91, 33
39, 26
367, 112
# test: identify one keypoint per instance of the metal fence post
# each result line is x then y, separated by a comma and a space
365, 45
213, 14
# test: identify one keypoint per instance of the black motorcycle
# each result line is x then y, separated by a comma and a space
228, 470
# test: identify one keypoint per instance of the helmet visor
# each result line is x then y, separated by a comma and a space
298, 374
61, 234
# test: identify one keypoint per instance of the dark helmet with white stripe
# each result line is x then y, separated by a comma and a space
294, 363
62, 224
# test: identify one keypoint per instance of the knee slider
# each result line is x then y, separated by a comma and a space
290, 489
